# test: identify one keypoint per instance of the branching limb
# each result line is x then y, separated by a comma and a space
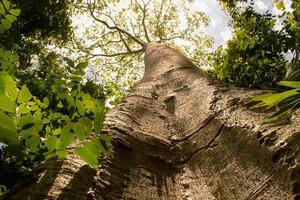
127, 34
172, 38
118, 54
124, 42
144, 11
158, 18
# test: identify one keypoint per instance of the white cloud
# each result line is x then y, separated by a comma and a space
218, 27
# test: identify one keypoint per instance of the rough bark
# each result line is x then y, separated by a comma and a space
180, 135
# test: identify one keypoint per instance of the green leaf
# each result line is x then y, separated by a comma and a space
34, 108
79, 72
76, 78
80, 107
6, 122
46, 102
89, 152
291, 84
3, 189
10, 18
82, 66
56, 131
66, 137
69, 62
10, 86
86, 156
2, 10
7, 104
80, 130
99, 116
26, 120
23, 109
2, 28
88, 125
15, 12
33, 130
50, 142
32, 141
9, 137
271, 100
93, 146
48, 129
6, 23
6, 4
89, 103
8, 133
24, 95
61, 154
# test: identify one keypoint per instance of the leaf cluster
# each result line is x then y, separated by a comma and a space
253, 57
48, 115
287, 101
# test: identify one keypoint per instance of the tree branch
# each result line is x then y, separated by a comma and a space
116, 28
171, 38
118, 54
124, 42
158, 18
144, 10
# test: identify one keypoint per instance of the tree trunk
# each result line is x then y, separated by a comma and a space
180, 135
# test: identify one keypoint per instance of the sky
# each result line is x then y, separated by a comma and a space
219, 27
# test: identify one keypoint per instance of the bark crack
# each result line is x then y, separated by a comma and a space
203, 148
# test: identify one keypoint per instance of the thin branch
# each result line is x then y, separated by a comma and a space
158, 18
144, 10
164, 21
115, 28
172, 38
120, 34
86, 49
118, 54
124, 42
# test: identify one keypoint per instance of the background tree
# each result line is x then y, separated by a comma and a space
254, 56
39, 24
115, 39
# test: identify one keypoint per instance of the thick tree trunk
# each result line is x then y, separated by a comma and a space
180, 135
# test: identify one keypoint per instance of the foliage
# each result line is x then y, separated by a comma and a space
118, 55
41, 22
51, 115
253, 57
34, 130
288, 101
291, 30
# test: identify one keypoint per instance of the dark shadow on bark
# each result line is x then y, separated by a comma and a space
79, 185
117, 174
40, 188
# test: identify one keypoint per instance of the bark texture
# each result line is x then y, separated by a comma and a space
180, 135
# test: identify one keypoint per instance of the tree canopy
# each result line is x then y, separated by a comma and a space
115, 39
